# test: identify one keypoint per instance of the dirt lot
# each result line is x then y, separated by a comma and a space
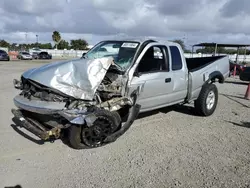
166, 148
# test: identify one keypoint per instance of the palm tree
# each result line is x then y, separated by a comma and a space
56, 37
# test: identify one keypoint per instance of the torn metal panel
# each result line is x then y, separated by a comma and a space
116, 103
75, 116
77, 78
81, 116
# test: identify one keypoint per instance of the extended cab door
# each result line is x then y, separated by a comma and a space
180, 73
154, 78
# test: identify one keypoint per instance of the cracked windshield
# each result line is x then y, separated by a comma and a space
122, 52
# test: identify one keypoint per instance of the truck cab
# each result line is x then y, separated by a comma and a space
161, 74
165, 77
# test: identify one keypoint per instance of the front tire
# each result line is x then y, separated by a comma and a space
84, 137
74, 137
207, 101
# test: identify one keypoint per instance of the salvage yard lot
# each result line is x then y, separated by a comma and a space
165, 148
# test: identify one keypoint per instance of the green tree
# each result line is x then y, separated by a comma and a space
181, 43
4, 44
56, 36
242, 51
206, 50
221, 50
79, 44
63, 45
231, 51
45, 46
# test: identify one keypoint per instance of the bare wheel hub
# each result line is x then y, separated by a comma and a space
97, 131
95, 135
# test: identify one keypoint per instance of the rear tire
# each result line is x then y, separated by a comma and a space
207, 101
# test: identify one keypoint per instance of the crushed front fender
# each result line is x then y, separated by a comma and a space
133, 113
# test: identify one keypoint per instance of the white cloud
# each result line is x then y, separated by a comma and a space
200, 20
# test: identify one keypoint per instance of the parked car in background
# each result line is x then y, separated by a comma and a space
245, 74
4, 56
44, 55
35, 55
36, 49
239, 67
24, 56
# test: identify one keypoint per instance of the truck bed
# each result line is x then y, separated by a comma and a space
200, 70
194, 64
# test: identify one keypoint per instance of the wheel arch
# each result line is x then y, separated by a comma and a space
216, 75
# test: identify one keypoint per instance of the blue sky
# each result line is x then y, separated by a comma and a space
95, 20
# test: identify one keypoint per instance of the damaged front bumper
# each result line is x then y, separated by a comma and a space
73, 116
87, 94
35, 127
45, 107
38, 106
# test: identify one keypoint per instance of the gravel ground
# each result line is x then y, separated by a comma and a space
166, 148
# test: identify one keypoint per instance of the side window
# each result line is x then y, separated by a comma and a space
153, 60
176, 58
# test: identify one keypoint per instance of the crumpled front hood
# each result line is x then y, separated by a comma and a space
78, 78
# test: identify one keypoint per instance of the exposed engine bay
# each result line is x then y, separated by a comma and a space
108, 94
46, 111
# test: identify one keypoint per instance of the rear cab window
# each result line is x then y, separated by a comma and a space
176, 58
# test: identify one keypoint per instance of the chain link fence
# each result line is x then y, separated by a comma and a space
78, 53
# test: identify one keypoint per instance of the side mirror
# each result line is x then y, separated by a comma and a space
136, 73
83, 54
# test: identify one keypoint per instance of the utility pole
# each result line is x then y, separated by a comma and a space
185, 40
26, 41
36, 39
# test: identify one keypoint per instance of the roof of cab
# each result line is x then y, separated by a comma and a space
142, 40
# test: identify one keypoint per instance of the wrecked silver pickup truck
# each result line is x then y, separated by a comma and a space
96, 98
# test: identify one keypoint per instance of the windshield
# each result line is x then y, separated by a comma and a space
123, 52
25, 53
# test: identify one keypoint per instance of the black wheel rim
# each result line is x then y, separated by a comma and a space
94, 136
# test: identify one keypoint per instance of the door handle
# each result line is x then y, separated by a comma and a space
167, 80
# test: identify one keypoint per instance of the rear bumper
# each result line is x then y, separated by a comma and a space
44, 58
4, 58
27, 58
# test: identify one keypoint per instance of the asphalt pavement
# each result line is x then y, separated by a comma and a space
170, 147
